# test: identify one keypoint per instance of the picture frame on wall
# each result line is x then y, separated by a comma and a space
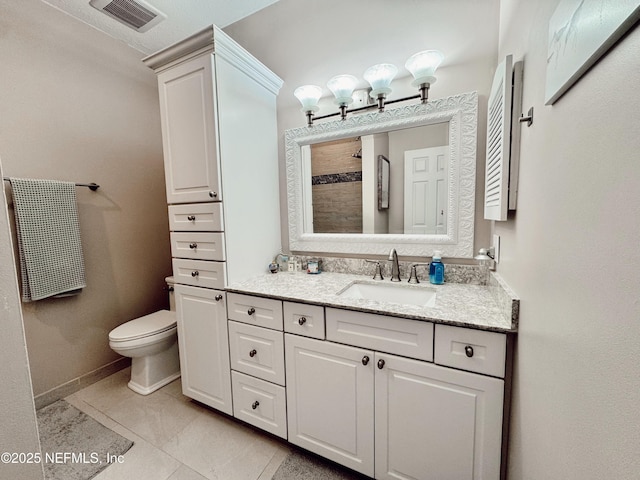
383, 182
580, 32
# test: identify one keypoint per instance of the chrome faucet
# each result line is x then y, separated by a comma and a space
395, 268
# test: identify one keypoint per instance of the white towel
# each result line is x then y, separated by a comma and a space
48, 231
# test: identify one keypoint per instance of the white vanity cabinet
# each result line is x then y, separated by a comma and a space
187, 108
220, 146
219, 133
203, 343
256, 347
435, 423
330, 399
389, 416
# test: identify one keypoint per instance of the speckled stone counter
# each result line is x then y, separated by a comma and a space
492, 307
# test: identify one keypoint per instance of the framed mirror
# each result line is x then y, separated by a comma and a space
336, 182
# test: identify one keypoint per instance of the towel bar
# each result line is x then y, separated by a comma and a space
92, 186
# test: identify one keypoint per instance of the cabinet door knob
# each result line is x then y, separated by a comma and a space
302, 320
468, 350
213, 194
195, 273
253, 353
251, 311
218, 298
193, 245
381, 364
255, 404
365, 360
191, 218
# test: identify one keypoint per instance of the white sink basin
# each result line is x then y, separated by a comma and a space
402, 294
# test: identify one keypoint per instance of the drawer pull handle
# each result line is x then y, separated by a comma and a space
468, 350
365, 360
195, 273
193, 245
255, 404
251, 311
380, 364
253, 353
302, 320
213, 194
191, 218
218, 298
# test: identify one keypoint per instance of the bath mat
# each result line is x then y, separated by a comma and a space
300, 465
74, 445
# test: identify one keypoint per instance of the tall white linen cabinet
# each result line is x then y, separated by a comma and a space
219, 134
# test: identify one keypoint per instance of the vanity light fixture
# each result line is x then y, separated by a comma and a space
421, 65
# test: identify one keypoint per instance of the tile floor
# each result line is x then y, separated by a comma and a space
176, 438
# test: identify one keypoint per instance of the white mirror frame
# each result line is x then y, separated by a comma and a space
461, 112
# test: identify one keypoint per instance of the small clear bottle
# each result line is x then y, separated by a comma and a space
436, 269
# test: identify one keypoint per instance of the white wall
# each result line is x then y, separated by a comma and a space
572, 253
19, 432
373, 220
78, 105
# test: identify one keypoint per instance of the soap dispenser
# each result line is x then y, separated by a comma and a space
436, 269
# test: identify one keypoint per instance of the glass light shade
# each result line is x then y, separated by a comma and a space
423, 66
342, 87
308, 96
380, 77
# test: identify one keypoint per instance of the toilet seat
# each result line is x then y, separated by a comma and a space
156, 323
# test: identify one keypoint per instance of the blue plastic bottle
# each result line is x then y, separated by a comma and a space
436, 269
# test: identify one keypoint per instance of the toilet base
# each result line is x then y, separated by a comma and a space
151, 372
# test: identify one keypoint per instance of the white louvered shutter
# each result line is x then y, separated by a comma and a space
496, 195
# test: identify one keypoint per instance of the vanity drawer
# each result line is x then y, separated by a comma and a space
199, 273
409, 338
197, 245
263, 312
257, 351
196, 217
260, 403
473, 350
303, 319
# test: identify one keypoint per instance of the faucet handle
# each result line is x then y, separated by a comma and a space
413, 277
378, 274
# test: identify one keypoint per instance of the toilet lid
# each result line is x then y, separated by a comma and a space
144, 326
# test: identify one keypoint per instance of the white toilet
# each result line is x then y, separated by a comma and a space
152, 343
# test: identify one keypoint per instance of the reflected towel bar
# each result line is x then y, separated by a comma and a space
92, 186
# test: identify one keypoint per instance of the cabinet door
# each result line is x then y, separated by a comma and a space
330, 400
187, 112
204, 346
436, 423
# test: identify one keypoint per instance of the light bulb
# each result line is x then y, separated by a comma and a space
342, 87
308, 96
380, 77
423, 65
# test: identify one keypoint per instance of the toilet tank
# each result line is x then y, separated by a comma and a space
172, 301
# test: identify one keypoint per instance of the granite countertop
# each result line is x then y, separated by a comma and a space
473, 306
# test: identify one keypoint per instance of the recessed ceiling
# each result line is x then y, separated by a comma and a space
183, 19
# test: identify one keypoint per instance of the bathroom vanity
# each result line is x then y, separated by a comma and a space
390, 380
390, 390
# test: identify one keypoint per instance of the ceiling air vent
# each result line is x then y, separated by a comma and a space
135, 14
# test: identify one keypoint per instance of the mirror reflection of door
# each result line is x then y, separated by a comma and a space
425, 190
